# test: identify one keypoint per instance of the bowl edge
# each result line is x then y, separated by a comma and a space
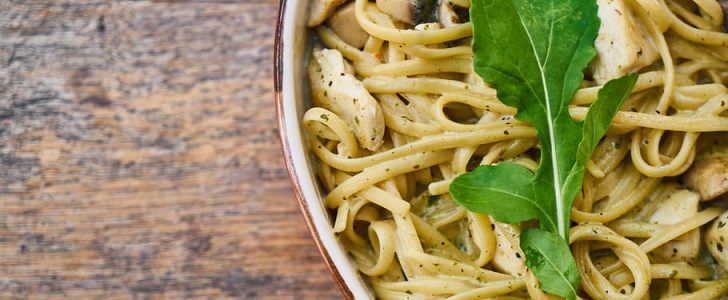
285, 146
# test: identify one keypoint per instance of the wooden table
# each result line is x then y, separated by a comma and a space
139, 155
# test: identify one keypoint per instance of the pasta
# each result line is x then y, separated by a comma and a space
396, 118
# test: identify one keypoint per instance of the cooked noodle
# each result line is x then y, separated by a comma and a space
390, 197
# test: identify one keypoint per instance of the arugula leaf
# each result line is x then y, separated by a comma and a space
506, 191
534, 53
508, 188
547, 255
595, 126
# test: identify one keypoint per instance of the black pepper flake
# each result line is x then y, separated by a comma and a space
416, 167
720, 247
505, 132
518, 255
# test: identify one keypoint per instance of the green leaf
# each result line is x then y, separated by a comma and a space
534, 53
595, 126
549, 257
503, 191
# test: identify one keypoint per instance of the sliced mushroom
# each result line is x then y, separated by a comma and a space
321, 10
412, 12
623, 44
508, 256
340, 92
673, 206
716, 238
450, 12
343, 23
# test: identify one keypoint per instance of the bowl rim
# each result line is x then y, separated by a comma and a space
278, 74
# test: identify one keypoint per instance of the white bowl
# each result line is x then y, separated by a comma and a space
292, 42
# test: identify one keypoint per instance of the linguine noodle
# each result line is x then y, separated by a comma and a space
391, 206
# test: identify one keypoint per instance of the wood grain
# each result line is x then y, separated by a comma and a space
139, 156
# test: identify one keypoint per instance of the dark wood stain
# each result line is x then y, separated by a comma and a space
139, 157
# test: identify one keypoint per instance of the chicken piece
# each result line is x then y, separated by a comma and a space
343, 23
321, 10
340, 92
709, 173
716, 239
681, 250
623, 45
508, 256
674, 206
412, 12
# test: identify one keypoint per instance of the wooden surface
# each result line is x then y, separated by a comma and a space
139, 155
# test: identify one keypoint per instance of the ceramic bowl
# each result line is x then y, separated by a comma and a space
292, 47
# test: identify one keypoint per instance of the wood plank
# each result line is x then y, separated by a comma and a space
139, 155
